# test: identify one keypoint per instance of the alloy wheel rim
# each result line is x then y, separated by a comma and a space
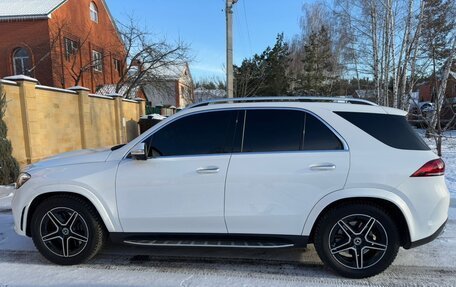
64, 232
358, 241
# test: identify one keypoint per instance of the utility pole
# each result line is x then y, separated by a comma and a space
229, 47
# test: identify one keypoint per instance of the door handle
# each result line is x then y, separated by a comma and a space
208, 169
323, 166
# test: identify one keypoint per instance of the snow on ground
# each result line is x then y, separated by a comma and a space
21, 265
119, 265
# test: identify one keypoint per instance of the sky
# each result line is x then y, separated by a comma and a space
201, 24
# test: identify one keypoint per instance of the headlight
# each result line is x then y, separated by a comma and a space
22, 178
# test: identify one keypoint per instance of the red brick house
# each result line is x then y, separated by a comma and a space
426, 90
62, 43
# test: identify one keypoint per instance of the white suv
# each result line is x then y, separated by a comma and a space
347, 175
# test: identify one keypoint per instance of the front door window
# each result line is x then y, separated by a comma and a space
198, 134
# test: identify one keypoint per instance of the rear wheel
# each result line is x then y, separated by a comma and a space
67, 230
357, 240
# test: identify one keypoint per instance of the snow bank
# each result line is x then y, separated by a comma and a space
6, 194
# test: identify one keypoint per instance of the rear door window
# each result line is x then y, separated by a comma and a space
318, 136
392, 130
273, 130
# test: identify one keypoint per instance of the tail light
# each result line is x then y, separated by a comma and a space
434, 167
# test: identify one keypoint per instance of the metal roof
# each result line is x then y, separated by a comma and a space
28, 9
167, 71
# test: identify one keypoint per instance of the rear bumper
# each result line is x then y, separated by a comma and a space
426, 239
427, 202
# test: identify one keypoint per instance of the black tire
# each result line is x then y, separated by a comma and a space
67, 230
357, 240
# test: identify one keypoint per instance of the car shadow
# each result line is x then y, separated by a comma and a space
289, 262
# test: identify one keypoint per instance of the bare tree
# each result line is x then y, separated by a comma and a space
435, 128
386, 35
69, 65
43, 50
146, 57
54, 41
75, 67
250, 79
405, 58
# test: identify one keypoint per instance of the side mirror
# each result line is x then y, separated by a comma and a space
139, 151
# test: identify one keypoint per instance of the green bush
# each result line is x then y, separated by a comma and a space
9, 168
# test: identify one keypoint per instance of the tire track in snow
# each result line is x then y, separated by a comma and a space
246, 269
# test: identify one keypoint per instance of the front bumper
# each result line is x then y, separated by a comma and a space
19, 209
426, 239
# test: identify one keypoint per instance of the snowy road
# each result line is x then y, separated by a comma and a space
21, 265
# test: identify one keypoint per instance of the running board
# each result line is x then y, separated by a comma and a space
211, 243
210, 240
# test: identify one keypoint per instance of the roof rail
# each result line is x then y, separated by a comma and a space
286, 99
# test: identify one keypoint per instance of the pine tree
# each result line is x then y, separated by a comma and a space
318, 64
265, 74
312, 76
9, 168
438, 23
276, 81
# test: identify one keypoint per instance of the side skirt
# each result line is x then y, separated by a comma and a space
211, 240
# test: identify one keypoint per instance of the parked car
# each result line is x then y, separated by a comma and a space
349, 176
420, 113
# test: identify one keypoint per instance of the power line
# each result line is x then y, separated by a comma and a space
247, 26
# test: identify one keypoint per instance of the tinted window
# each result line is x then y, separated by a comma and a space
239, 129
273, 130
205, 133
392, 130
318, 136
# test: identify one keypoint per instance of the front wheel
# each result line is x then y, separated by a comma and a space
67, 230
357, 240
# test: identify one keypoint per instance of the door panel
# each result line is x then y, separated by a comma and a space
289, 159
171, 194
180, 188
273, 193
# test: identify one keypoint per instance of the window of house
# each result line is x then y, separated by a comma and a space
97, 61
21, 62
93, 12
71, 48
199, 134
117, 66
